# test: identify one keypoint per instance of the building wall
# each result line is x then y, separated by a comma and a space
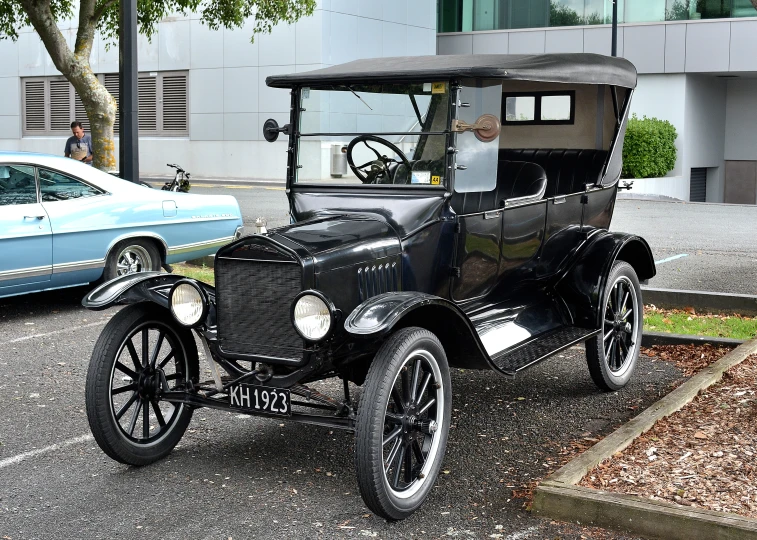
228, 98
741, 120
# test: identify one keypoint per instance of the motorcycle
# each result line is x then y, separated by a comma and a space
180, 180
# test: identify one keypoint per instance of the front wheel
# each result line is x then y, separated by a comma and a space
403, 423
613, 354
140, 354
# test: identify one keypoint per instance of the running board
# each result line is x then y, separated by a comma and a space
518, 358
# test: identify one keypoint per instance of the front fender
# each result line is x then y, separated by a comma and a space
582, 284
380, 315
141, 287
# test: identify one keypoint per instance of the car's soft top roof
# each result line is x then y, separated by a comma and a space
582, 68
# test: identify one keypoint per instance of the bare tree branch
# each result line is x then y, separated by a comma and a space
44, 23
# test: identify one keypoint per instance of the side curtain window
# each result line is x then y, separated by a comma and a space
17, 185
55, 186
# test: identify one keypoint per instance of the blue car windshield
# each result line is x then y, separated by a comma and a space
381, 134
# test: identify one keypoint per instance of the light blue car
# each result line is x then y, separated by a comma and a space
64, 223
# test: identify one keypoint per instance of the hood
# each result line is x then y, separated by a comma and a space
341, 240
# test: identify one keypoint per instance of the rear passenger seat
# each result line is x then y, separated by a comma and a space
568, 171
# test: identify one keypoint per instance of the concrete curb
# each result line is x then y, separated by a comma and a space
743, 304
558, 497
663, 338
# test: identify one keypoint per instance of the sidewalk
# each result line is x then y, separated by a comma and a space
159, 180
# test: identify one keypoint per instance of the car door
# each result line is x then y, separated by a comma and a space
25, 232
81, 226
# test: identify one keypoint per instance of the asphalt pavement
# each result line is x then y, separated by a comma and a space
234, 476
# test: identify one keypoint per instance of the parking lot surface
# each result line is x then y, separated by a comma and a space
234, 476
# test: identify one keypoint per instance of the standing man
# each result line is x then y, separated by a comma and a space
79, 146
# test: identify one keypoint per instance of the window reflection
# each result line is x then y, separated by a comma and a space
475, 15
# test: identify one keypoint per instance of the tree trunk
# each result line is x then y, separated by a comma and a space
74, 65
754, 3
101, 112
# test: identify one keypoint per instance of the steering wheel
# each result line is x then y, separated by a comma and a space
379, 168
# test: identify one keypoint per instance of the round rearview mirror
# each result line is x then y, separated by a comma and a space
271, 130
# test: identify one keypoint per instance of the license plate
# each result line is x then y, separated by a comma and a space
260, 399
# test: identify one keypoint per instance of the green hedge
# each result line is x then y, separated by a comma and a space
649, 150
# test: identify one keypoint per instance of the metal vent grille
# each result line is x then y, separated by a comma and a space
375, 280
698, 185
175, 103
60, 105
34, 105
148, 104
110, 80
253, 301
260, 252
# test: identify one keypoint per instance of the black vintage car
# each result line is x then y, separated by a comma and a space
471, 231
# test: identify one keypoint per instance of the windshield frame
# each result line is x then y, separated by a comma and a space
295, 136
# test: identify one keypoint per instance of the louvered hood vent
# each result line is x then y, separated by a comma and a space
377, 279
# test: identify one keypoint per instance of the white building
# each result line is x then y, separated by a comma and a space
698, 71
203, 93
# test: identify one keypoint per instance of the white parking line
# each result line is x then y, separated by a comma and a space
54, 332
20, 457
673, 258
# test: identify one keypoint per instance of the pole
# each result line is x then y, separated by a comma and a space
615, 27
128, 103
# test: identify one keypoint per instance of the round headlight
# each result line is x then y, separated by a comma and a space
312, 317
187, 304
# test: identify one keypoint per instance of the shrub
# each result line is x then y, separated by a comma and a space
649, 150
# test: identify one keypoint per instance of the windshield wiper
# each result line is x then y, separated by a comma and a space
361, 99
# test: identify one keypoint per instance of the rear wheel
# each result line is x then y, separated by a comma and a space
613, 354
403, 423
140, 354
130, 257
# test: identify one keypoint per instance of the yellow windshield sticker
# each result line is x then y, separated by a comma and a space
438, 87
436, 180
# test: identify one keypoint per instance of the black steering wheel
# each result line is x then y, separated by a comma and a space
379, 168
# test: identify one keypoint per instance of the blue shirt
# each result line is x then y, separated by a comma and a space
76, 148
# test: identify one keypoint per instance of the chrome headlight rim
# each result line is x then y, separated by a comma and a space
203, 299
329, 305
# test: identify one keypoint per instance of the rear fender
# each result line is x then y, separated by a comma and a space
582, 285
381, 315
140, 287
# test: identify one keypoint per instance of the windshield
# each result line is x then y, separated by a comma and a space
381, 134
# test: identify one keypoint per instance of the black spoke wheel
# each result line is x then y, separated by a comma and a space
612, 355
141, 353
403, 423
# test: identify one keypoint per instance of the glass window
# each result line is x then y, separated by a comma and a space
555, 108
55, 186
390, 133
17, 185
520, 109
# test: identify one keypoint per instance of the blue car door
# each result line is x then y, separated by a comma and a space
26, 245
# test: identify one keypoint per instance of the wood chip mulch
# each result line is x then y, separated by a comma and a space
701, 456
688, 358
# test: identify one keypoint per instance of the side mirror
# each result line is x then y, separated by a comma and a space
271, 130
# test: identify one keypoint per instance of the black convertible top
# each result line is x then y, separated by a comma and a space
582, 68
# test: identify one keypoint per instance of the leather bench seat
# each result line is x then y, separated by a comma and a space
515, 179
568, 171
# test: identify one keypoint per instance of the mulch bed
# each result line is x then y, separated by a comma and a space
701, 456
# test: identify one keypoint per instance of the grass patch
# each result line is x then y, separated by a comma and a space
689, 322
200, 273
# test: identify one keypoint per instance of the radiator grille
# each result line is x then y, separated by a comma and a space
253, 301
377, 279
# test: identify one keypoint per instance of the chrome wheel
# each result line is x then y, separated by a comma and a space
620, 322
133, 259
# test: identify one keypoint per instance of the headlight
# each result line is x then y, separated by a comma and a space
188, 303
311, 316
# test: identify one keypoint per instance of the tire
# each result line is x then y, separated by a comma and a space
123, 390
131, 256
612, 355
410, 367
